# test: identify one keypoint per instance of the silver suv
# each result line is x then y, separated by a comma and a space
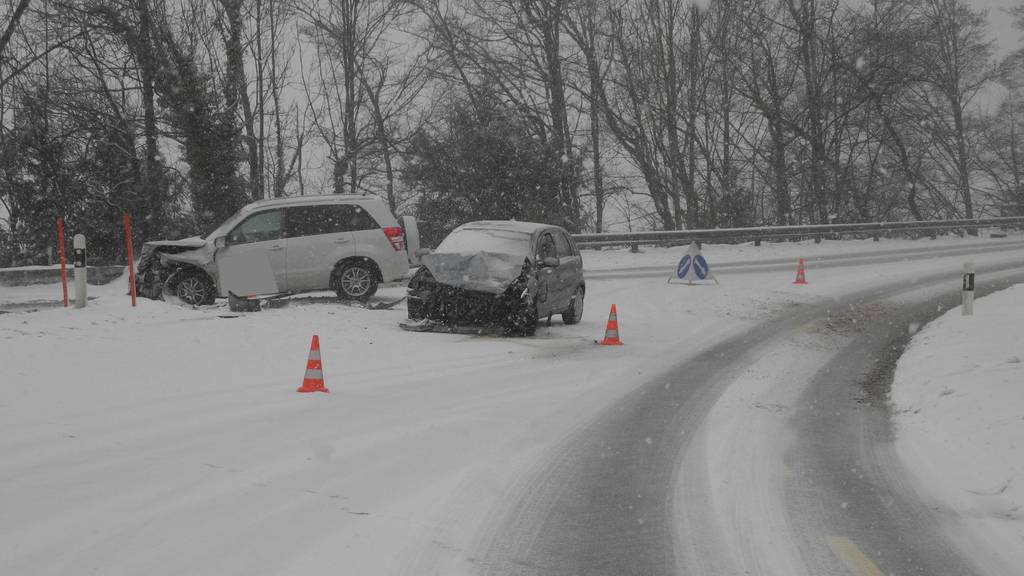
346, 243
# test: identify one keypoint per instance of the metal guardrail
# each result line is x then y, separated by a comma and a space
816, 231
98, 275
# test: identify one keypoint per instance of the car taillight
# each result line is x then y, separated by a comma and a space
396, 237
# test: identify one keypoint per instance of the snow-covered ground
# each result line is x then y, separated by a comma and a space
166, 440
959, 397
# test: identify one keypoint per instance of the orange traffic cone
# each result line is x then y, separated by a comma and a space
801, 278
314, 380
611, 333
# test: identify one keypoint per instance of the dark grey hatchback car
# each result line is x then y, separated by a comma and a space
498, 274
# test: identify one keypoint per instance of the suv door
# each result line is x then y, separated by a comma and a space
253, 262
319, 236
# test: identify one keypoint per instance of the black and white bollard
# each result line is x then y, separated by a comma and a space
80, 271
968, 303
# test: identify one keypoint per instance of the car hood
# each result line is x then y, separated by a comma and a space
481, 271
194, 242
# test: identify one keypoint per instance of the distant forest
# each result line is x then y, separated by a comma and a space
591, 114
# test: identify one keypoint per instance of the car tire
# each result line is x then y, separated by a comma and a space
193, 287
574, 313
354, 281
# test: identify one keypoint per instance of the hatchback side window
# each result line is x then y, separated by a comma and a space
259, 227
562, 245
546, 247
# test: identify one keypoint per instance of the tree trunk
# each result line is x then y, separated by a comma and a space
963, 164
780, 178
595, 150
693, 103
152, 187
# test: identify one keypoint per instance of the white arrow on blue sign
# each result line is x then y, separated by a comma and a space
684, 267
700, 266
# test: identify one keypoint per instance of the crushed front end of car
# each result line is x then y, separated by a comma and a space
473, 293
161, 262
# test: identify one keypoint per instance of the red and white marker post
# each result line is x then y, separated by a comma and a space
131, 255
968, 291
81, 297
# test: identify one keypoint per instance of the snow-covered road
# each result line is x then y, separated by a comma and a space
161, 440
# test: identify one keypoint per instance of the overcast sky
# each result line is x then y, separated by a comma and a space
1006, 35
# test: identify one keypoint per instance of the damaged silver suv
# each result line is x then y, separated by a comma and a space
346, 243
498, 274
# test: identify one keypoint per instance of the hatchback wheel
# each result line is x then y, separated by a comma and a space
355, 281
575, 312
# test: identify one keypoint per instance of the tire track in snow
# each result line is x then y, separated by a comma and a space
604, 503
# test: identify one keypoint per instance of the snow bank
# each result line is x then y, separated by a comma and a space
959, 400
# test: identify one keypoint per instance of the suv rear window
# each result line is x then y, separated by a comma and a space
329, 219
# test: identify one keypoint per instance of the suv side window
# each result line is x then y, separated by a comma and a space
329, 219
305, 221
562, 245
259, 227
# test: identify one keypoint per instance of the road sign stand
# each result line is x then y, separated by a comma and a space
693, 266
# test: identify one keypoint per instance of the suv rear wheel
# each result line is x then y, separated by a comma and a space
354, 281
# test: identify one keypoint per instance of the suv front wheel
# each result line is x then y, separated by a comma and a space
354, 281
192, 287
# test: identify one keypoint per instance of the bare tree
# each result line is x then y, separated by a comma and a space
956, 66
347, 33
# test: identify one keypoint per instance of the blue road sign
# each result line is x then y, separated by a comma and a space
700, 267
684, 267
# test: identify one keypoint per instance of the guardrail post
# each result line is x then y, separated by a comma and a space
80, 271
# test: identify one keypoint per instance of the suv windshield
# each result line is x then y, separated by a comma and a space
480, 240
228, 224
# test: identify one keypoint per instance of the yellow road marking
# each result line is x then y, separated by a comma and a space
858, 563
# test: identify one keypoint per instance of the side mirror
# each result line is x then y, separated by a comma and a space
551, 262
221, 242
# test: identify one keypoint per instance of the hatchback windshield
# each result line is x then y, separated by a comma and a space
480, 240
